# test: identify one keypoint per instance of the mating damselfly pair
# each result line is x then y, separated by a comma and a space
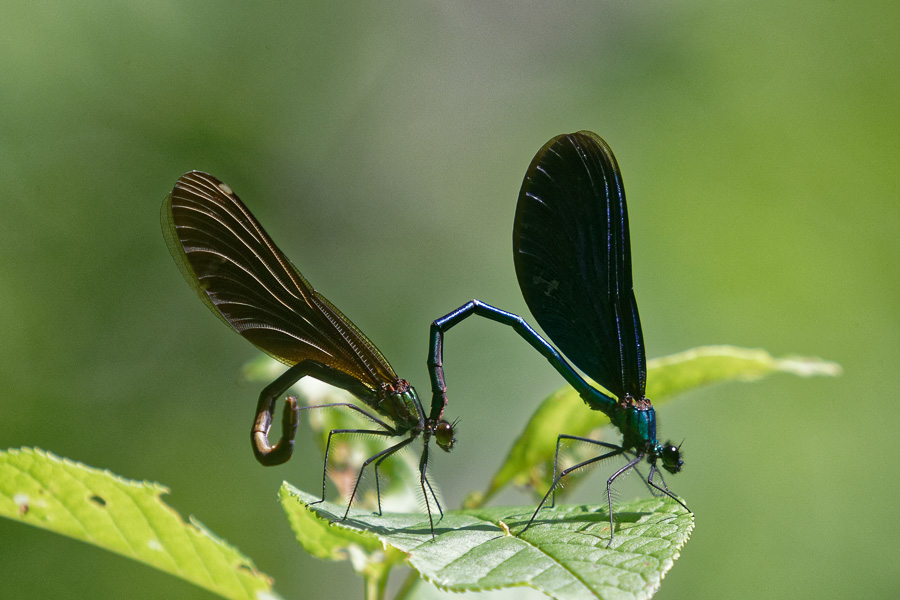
573, 262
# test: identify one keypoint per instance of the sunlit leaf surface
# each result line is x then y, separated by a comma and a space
564, 554
123, 516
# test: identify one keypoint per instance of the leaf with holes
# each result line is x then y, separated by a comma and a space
123, 516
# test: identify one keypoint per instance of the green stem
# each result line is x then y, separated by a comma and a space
374, 584
408, 585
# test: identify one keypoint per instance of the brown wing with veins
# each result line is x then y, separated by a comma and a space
242, 276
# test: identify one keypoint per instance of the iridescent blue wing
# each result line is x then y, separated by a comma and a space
573, 260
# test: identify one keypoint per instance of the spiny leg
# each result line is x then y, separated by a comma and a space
354, 407
423, 480
665, 488
328, 450
388, 431
585, 463
650, 489
376, 457
655, 471
433, 495
377, 484
577, 439
609, 482
378, 481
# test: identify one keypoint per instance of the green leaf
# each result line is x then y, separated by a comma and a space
675, 374
564, 554
123, 516
368, 556
530, 461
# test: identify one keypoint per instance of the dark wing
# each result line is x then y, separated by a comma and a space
573, 260
242, 276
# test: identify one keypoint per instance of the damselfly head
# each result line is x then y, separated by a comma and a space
443, 435
671, 457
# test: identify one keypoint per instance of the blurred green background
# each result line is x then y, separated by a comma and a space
382, 145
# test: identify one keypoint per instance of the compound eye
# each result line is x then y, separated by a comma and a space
671, 458
443, 435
